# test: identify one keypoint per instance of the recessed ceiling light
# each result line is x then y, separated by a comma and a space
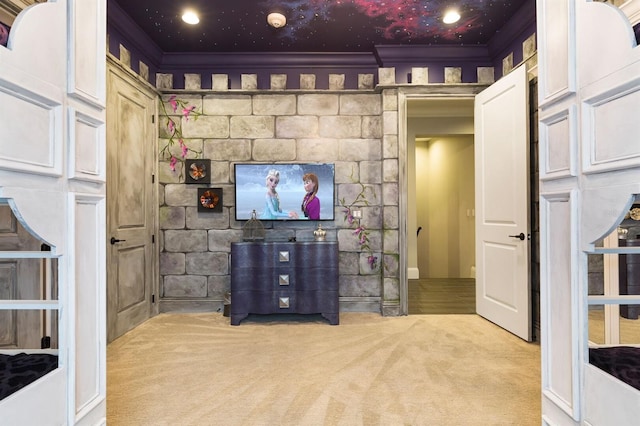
451, 16
190, 17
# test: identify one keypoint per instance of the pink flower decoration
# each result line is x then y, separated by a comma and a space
185, 150
171, 125
186, 111
173, 103
372, 261
172, 163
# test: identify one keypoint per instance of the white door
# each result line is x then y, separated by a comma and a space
131, 254
502, 204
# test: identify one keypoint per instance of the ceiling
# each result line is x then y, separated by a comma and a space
316, 25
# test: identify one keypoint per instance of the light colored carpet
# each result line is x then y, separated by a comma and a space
196, 369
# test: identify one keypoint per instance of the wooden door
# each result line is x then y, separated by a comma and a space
502, 204
131, 203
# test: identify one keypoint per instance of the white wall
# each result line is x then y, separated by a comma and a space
445, 204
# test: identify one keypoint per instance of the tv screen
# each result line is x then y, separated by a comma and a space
277, 191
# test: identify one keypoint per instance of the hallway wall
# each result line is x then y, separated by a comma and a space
445, 207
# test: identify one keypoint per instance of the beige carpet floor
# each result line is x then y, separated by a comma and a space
196, 369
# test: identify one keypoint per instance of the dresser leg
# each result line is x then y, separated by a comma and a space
332, 318
236, 318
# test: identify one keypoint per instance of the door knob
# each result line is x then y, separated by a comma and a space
521, 236
115, 240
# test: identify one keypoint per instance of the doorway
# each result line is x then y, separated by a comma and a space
441, 179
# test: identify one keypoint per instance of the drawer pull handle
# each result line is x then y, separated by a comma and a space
283, 256
283, 279
283, 302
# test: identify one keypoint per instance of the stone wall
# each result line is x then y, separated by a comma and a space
355, 130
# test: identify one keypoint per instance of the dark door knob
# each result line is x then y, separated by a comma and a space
521, 236
115, 240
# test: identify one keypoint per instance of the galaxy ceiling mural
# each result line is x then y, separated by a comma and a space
317, 25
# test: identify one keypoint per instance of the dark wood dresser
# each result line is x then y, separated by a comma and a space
283, 277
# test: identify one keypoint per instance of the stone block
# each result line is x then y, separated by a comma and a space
348, 242
184, 286
390, 240
360, 286
220, 82
390, 217
348, 263
390, 170
359, 149
180, 195
391, 288
297, 126
420, 75
307, 81
390, 100
221, 239
252, 127
274, 150
185, 241
206, 126
218, 286
390, 195
164, 81
390, 123
529, 46
365, 104
143, 70
370, 172
192, 81
278, 81
274, 105
365, 81
340, 126
249, 81
172, 217
168, 176
452, 75
372, 127
507, 64
318, 104
390, 146
207, 263
346, 171
336, 81
227, 105
227, 149
317, 149
486, 75
205, 220
125, 56
387, 76
172, 263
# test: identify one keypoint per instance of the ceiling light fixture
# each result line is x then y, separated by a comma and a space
190, 17
276, 20
451, 16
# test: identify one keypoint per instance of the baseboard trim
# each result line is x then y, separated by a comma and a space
413, 273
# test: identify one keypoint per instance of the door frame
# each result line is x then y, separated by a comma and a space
406, 94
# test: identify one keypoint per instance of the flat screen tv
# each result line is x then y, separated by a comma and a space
287, 199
